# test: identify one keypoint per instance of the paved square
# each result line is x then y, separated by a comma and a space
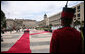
39, 43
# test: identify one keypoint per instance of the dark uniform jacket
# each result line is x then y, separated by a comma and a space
66, 40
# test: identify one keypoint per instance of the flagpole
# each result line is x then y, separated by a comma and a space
66, 4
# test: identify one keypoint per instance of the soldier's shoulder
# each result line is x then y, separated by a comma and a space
60, 28
57, 30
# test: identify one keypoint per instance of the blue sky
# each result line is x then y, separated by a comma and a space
33, 10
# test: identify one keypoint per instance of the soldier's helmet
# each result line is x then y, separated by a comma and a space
67, 13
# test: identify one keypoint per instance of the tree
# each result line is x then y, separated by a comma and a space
50, 25
3, 20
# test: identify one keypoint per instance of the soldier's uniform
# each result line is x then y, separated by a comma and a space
66, 39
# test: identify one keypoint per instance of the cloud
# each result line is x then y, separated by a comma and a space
34, 10
73, 3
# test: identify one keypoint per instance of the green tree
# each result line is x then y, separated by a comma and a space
3, 20
50, 25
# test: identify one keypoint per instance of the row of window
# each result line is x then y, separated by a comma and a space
78, 15
78, 8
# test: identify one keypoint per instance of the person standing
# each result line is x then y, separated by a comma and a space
66, 39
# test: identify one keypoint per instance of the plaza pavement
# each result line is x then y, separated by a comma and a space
39, 43
9, 39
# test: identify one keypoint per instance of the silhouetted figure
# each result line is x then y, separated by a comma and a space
66, 39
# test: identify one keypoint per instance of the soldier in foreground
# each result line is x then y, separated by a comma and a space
66, 39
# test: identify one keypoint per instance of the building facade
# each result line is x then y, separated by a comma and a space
79, 14
21, 23
9, 23
29, 23
44, 22
55, 19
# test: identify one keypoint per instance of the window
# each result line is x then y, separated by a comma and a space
78, 7
82, 21
74, 15
78, 15
74, 18
75, 8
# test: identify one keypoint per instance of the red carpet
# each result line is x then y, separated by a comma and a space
21, 46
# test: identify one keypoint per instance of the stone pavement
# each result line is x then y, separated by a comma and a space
39, 43
9, 40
